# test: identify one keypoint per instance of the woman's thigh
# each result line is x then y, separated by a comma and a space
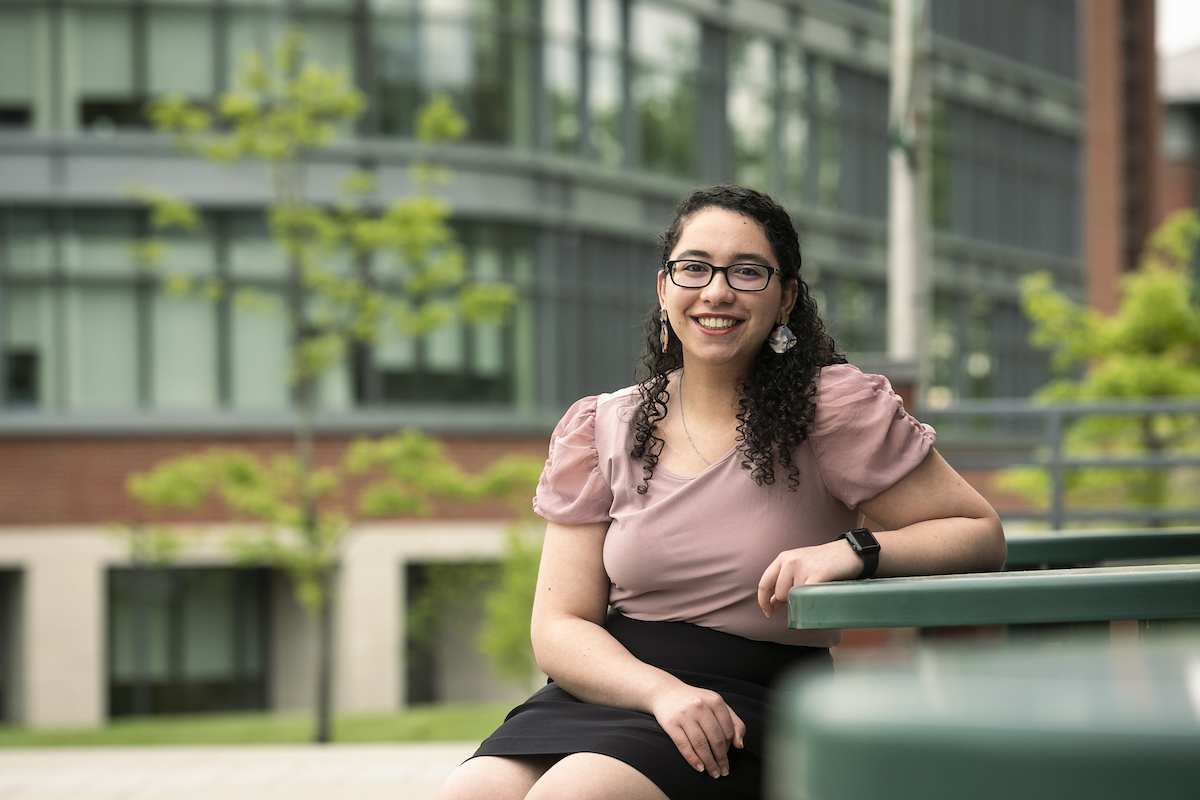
591, 776
499, 777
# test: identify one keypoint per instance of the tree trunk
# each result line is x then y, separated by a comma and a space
289, 190
323, 734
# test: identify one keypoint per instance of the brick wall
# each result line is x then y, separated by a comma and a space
81, 480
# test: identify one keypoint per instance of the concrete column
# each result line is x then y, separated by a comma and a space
1104, 198
910, 285
292, 682
367, 660
62, 653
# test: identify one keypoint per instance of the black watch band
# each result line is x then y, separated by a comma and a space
864, 544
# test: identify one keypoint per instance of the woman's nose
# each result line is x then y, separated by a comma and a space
718, 289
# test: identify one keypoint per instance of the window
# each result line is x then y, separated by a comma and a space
483, 60
825, 102
184, 352
186, 640
179, 44
249, 31
794, 124
17, 66
460, 362
751, 111
863, 162
857, 313
21, 377
562, 69
102, 348
605, 83
104, 82
1039, 33
259, 345
30, 338
666, 47
9, 625
397, 74
1009, 182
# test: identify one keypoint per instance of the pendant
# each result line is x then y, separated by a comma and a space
782, 339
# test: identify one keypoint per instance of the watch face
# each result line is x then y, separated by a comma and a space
862, 539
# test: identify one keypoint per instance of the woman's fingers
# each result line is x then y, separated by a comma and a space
833, 561
693, 746
766, 586
739, 730
702, 727
779, 578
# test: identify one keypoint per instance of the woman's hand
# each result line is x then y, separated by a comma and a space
573, 647
933, 523
701, 725
832, 561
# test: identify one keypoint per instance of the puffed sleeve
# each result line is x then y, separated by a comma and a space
863, 438
572, 489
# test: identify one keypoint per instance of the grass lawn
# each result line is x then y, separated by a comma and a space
431, 723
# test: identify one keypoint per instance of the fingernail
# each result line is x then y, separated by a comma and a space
699, 767
715, 774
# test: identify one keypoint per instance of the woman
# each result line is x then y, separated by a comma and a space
691, 504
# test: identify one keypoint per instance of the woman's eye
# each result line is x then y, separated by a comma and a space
694, 267
749, 271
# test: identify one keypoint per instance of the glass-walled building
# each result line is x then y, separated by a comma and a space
588, 120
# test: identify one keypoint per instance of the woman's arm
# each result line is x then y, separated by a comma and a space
934, 523
573, 648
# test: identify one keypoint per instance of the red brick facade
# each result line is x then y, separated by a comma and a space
63, 480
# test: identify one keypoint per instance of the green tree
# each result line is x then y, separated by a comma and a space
1148, 349
279, 116
508, 608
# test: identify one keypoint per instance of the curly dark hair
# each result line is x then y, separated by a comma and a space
775, 407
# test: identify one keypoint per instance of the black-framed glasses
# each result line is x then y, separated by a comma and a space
688, 273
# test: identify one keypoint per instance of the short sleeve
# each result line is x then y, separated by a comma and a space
863, 439
572, 490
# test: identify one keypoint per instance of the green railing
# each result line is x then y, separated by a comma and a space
998, 434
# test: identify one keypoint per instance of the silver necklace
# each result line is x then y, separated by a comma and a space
683, 419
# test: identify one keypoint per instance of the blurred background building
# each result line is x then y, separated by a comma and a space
588, 120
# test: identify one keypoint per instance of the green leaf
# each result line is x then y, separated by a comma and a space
1149, 348
508, 608
438, 121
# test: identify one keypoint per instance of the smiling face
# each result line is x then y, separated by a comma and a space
716, 324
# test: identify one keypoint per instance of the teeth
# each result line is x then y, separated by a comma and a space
716, 323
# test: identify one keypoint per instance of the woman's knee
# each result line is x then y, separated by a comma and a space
503, 778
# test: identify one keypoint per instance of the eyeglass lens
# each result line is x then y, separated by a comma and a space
698, 274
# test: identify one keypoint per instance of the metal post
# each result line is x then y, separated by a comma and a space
909, 292
1057, 489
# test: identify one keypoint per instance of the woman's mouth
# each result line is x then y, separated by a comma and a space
716, 323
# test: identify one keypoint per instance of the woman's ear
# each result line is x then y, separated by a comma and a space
790, 292
662, 290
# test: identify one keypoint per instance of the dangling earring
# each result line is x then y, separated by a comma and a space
663, 325
782, 339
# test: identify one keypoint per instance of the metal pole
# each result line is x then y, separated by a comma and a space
1057, 471
909, 293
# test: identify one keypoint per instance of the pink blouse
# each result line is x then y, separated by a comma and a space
693, 548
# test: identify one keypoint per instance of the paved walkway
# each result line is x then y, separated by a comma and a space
253, 772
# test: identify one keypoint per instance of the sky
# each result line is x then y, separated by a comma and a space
1178, 26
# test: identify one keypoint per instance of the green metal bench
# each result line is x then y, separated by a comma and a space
1093, 720
1081, 723
1003, 598
1080, 548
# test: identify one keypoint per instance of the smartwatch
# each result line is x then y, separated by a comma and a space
867, 548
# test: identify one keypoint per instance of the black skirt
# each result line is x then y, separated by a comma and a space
553, 722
